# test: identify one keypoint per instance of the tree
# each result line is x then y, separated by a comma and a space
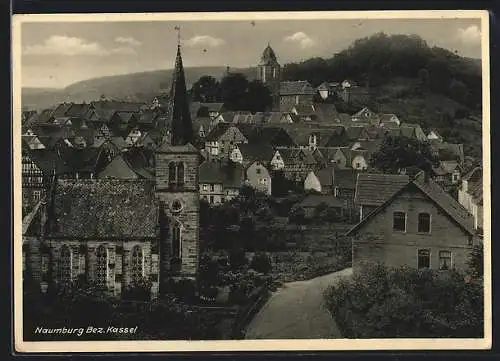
397, 153
258, 97
261, 263
458, 91
297, 215
475, 261
205, 89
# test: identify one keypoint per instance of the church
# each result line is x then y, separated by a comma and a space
118, 233
285, 94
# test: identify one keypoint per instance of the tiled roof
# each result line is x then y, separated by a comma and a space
242, 117
387, 118
445, 167
81, 160
256, 151
104, 208
229, 174
374, 189
447, 203
217, 132
354, 132
436, 194
45, 116
325, 176
118, 169
294, 155
61, 109
304, 110
448, 151
300, 87
117, 106
474, 175
345, 178
147, 117
325, 113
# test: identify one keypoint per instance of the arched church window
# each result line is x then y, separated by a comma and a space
176, 242
137, 264
180, 173
172, 173
101, 267
65, 265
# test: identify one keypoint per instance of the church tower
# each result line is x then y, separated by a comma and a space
177, 190
269, 73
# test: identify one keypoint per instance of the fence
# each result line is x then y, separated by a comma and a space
255, 301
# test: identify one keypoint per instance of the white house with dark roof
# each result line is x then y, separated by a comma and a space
470, 195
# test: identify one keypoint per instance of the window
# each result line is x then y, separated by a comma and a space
37, 195
205, 187
211, 199
222, 199
212, 187
171, 173
444, 260
424, 223
176, 174
399, 221
136, 265
176, 242
176, 206
424, 258
101, 267
65, 265
258, 170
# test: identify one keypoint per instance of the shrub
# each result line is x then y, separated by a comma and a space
382, 302
237, 258
261, 263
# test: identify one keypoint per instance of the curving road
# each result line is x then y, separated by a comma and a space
296, 311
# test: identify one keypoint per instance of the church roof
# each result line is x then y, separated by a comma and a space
268, 56
179, 111
104, 208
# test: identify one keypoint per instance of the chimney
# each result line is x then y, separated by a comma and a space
227, 70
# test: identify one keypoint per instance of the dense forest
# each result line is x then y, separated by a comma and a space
374, 61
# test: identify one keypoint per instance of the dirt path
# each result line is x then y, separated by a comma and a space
296, 311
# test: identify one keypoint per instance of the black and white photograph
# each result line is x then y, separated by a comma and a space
255, 181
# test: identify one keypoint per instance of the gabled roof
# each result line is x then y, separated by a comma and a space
61, 109
118, 168
437, 195
104, 208
304, 110
242, 117
345, 178
374, 189
217, 132
448, 151
117, 106
354, 132
325, 112
301, 87
445, 167
294, 155
229, 174
325, 176
256, 151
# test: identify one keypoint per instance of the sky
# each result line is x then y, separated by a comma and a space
57, 54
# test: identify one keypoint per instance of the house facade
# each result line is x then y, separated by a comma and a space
294, 93
257, 176
419, 226
470, 196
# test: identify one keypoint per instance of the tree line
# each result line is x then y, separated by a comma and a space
375, 60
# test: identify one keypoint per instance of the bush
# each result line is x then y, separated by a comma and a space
382, 302
237, 258
261, 263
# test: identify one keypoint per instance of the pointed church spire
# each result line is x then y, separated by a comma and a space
180, 116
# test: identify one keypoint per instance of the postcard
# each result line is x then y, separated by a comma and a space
251, 181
